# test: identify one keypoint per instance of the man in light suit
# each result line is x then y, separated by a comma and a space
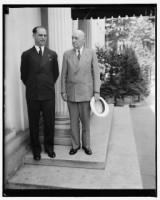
39, 72
80, 80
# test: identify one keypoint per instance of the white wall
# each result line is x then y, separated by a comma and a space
18, 38
94, 30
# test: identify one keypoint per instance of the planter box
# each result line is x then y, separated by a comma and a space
136, 98
109, 100
128, 100
119, 102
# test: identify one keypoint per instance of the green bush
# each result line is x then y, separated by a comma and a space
125, 77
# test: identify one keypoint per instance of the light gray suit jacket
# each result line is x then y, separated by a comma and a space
80, 79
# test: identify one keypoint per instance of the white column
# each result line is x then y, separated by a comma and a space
60, 40
74, 24
94, 30
18, 38
97, 32
85, 25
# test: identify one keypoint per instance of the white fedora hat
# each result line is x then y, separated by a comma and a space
99, 107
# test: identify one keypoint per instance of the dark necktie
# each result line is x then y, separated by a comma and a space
79, 54
40, 51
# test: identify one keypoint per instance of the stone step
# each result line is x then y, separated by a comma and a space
62, 130
61, 137
121, 172
100, 132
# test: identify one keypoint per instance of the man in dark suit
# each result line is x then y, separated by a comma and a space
39, 72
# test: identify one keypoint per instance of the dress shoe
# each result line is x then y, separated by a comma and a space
37, 157
74, 151
87, 150
51, 154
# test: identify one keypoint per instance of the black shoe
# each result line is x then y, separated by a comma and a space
74, 151
36, 157
51, 154
87, 151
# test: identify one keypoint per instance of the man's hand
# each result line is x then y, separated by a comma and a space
96, 96
64, 96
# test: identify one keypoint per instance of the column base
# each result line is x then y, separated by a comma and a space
62, 130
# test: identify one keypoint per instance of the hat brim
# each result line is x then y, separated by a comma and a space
105, 106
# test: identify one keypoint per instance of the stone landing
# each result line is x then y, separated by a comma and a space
100, 129
121, 171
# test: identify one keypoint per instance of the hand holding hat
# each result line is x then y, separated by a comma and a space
96, 96
99, 107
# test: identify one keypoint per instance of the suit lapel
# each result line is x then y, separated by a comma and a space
34, 52
45, 55
73, 58
84, 55
35, 55
83, 58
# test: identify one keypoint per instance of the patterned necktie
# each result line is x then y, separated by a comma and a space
79, 54
40, 51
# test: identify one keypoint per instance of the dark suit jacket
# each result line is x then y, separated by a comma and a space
39, 74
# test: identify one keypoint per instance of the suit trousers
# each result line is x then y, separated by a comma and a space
80, 112
48, 110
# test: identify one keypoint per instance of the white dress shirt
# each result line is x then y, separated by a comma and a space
37, 48
81, 49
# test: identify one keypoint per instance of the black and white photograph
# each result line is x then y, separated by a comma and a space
79, 100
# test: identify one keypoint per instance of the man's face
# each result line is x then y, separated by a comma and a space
40, 37
77, 40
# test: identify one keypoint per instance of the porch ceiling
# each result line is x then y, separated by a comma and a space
115, 10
